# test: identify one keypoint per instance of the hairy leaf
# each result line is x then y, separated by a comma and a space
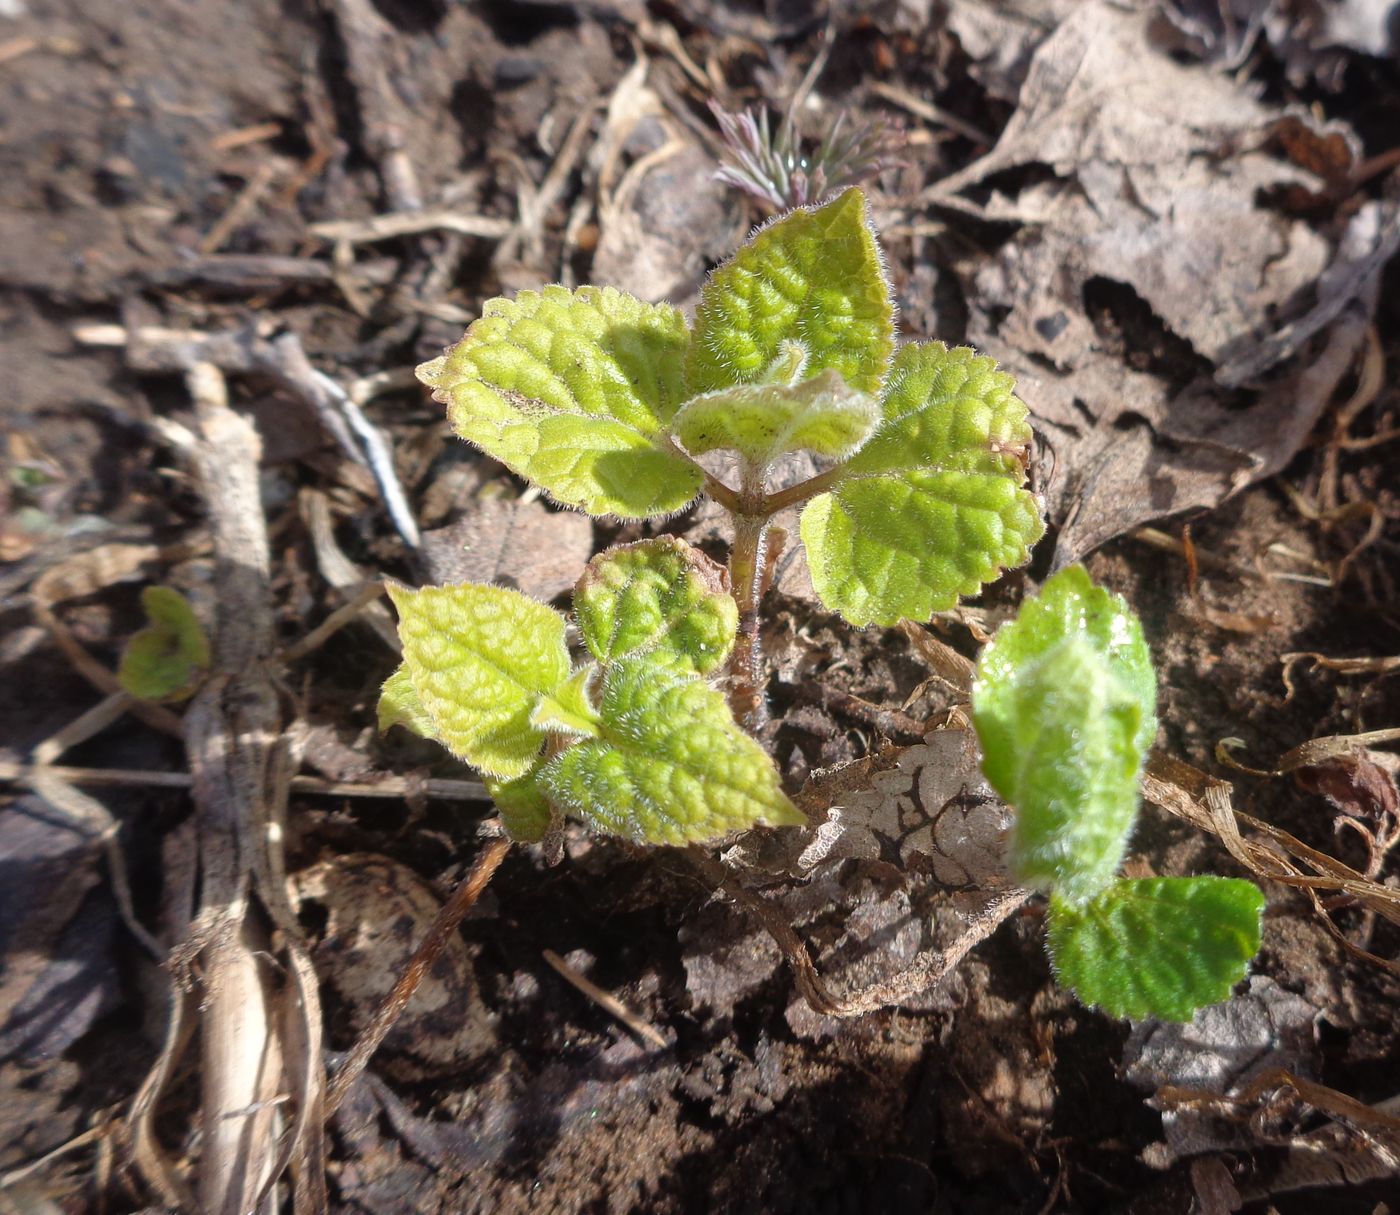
399, 706
657, 595
1070, 605
479, 658
166, 659
761, 422
671, 766
932, 507
1157, 947
1064, 706
574, 390
813, 277
524, 809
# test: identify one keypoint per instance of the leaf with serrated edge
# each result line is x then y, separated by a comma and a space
1157, 947
813, 276
166, 659
524, 809
932, 507
660, 595
671, 767
1064, 705
574, 390
399, 706
479, 658
761, 422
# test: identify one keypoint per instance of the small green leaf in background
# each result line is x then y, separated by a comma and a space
761, 422
1064, 706
524, 809
657, 595
478, 658
1157, 947
574, 390
671, 766
933, 506
813, 276
167, 659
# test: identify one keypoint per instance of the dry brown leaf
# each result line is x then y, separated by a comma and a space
1355, 783
933, 807
523, 545
1156, 236
1220, 1051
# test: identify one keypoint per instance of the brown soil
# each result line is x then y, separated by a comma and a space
116, 163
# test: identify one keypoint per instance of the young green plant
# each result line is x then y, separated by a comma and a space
622, 409
613, 406
1065, 708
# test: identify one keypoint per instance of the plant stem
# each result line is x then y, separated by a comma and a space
751, 509
797, 494
747, 559
461, 902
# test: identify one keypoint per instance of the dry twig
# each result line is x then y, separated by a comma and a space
261, 1077
608, 1002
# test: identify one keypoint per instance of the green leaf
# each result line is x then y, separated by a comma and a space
761, 422
932, 507
1064, 706
399, 706
524, 809
814, 277
478, 658
574, 390
1070, 605
568, 709
167, 659
671, 767
660, 595
1157, 947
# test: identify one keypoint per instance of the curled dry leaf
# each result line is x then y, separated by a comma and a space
879, 931
1355, 783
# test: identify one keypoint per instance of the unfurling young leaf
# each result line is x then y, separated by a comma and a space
813, 277
574, 391
671, 765
1156, 947
167, 659
478, 659
1064, 705
933, 506
657, 595
568, 709
761, 422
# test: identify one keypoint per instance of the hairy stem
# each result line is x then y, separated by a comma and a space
752, 508
747, 559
